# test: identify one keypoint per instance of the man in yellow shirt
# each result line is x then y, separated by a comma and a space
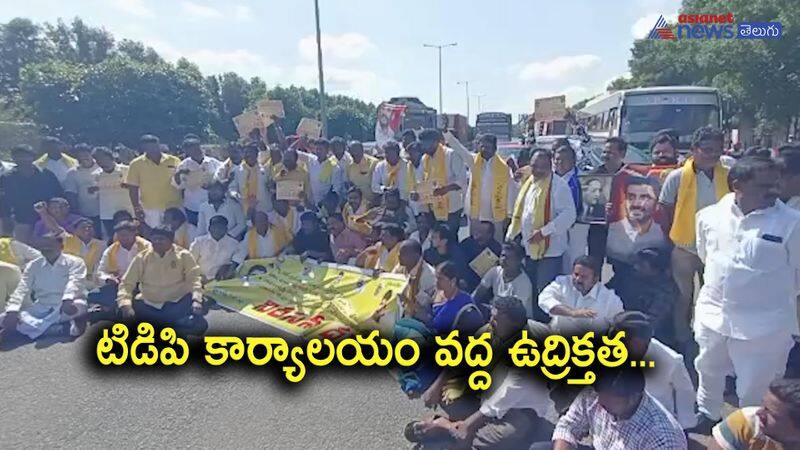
169, 283
289, 170
359, 171
149, 182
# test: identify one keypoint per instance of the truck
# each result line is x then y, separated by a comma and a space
417, 115
497, 123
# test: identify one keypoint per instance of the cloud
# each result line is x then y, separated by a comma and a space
133, 7
242, 13
641, 28
363, 84
345, 46
557, 67
197, 11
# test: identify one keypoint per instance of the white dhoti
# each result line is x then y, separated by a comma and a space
37, 318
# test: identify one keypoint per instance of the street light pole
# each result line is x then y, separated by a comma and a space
466, 86
439, 48
322, 108
478, 96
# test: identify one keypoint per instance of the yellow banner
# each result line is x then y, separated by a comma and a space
308, 298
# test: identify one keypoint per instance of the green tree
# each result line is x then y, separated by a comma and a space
78, 42
20, 44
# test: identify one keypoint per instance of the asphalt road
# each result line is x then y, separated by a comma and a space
53, 397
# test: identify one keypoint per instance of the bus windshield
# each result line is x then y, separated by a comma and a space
640, 122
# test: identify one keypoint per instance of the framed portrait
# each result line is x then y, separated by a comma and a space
596, 193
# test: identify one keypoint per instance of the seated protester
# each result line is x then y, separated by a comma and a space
482, 239
249, 184
328, 206
504, 416
394, 210
346, 244
9, 280
423, 232
264, 240
421, 288
285, 216
58, 209
444, 247
775, 425
617, 414
383, 255
579, 302
450, 299
115, 261
183, 231
225, 172
669, 381
311, 241
56, 284
354, 212
13, 251
168, 281
215, 251
219, 204
651, 290
507, 280
290, 170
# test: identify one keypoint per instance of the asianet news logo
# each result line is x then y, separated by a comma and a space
714, 26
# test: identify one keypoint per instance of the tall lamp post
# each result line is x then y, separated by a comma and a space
466, 87
322, 109
439, 48
479, 96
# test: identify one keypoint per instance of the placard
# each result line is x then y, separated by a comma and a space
309, 127
288, 190
596, 194
248, 121
425, 191
269, 108
484, 262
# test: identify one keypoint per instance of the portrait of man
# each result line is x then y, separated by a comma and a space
637, 229
596, 194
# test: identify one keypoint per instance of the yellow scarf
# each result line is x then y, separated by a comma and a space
355, 221
182, 236
73, 246
541, 216
683, 226
374, 258
278, 236
141, 244
436, 170
499, 188
250, 188
6, 252
68, 160
412, 289
327, 170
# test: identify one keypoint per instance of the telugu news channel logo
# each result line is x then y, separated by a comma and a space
713, 26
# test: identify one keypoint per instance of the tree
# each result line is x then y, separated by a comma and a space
20, 44
79, 42
138, 52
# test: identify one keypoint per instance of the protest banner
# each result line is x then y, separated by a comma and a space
306, 298
309, 128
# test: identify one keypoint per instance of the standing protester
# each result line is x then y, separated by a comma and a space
150, 182
391, 173
22, 187
193, 176
664, 149
446, 171
745, 312
701, 182
578, 234
360, 171
492, 190
354, 212
613, 161
111, 191
249, 184
417, 172
225, 171
339, 151
55, 159
80, 187
261, 241
543, 214
56, 283
324, 172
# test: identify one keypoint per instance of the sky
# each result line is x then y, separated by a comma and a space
510, 51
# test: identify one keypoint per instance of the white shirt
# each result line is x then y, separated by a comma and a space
624, 239
669, 383
319, 187
266, 247
750, 282
211, 254
229, 209
456, 174
561, 218
112, 196
50, 284
59, 167
192, 183
599, 299
6, 167
380, 178
426, 244
23, 253
419, 175
514, 388
123, 260
79, 180
238, 183
520, 287
487, 185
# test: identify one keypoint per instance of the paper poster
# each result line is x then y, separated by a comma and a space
248, 121
269, 108
388, 122
484, 261
310, 128
288, 190
425, 191
197, 178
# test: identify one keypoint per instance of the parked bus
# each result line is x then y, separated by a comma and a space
637, 114
496, 123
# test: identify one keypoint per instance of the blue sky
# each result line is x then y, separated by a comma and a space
511, 51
